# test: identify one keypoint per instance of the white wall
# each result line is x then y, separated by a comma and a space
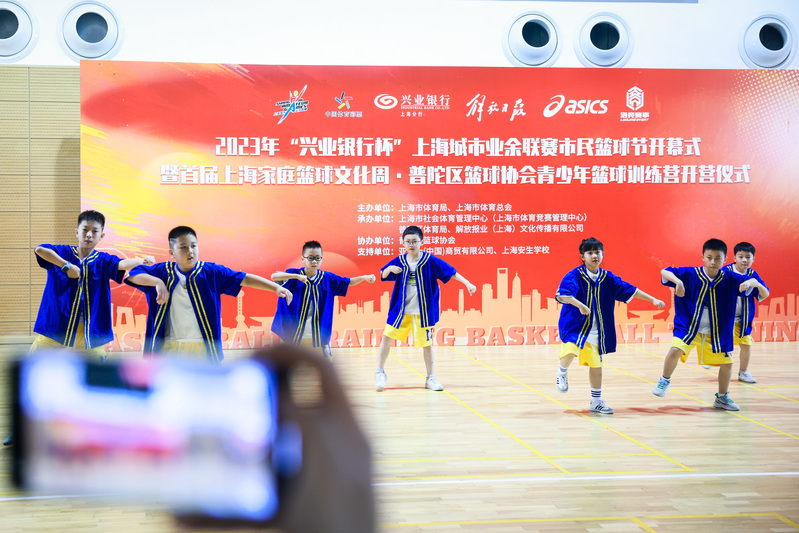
699, 34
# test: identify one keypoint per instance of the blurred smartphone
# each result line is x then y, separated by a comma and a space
199, 439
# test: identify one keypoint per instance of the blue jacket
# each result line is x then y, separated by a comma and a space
748, 302
206, 282
67, 302
429, 270
600, 296
312, 299
719, 295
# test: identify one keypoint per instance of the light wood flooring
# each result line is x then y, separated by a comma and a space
501, 450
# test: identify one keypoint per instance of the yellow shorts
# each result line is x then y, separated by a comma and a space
423, 336
704, 351
45, 343
737, 339
195, 350
588, 356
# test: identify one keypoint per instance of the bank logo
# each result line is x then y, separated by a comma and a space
295, 104
385, 101
575, 107
635, 98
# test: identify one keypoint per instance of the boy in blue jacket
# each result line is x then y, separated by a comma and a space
704, 317
746, 307
586, 324
415, 302
308, 319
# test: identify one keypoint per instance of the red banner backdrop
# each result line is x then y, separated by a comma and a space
505, 169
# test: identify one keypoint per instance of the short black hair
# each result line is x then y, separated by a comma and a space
178, 232
744, 247
413, 230
716, 245
92, 216
311, 244
591, 244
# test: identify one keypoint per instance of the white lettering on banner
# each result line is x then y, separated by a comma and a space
444, 226
346, 146
246, 146
476, 104
269, 175
551, 147
578, 174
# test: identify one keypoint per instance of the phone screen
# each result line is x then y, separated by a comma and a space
197, 438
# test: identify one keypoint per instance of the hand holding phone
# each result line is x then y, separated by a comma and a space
332, 492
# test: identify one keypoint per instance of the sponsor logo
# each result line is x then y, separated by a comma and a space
575, 107
425, 102
295, 104
635, 101
635, 98
343, 100
343, 110
385, 101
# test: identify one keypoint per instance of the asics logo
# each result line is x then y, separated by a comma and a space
575, 107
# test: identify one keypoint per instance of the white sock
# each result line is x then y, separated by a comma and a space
596, 395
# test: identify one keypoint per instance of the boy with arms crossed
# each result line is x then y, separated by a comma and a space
746, 307
308, 319
183, 297
704, 317
414, 302
587, 324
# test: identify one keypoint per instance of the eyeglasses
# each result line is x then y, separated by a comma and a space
313, 258
412, 243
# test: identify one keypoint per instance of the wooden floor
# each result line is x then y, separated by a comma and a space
501, 450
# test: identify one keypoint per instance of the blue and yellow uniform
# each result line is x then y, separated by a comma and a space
600, 296
719, 296
311, 300
76, 312
205, 283
743, 329
429, 270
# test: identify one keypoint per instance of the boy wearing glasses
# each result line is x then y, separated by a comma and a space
308, 319
414, 302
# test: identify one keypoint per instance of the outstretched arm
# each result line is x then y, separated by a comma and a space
257, 282
127, 264
51, 257
146, 280
285, 276
370, 278
469, 286
641, 295
571, 300
679, 287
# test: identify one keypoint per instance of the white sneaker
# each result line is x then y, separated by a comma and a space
706, 367
432, 383
661, 387
599, 406
726, 403
380, 379
562, 382
746, 377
